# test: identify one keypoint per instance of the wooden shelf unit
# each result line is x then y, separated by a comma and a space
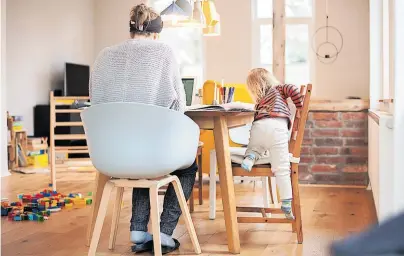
54, 103
18, 138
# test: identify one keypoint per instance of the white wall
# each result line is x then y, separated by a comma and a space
112, 22
41, 36
349, 74
3, 107
398, 102
229, 56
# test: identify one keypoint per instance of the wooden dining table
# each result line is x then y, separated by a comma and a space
219, 122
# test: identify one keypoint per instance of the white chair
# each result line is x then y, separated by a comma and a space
138, 145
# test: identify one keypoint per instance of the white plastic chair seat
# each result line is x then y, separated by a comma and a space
139, 141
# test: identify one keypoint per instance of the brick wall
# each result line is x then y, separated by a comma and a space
335, 149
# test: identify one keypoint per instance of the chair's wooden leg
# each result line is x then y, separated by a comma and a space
100, 218
274, 191
265, 189
100, 181
115, 218
212, 185
192, 202
296, 204
155, 220
187, 216
200, 180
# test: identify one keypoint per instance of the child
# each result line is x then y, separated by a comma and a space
270, 129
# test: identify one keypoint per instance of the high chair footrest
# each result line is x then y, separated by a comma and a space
263, 220
259, 210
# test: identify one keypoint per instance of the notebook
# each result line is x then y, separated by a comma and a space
233, 106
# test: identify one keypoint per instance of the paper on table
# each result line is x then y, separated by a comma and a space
232, 106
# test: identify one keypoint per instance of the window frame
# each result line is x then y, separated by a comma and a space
256, 39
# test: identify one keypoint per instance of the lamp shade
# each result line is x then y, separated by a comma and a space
212, 30
209, 10
198, 18
185, 6
173, 12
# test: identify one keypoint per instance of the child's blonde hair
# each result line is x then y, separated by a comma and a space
259, 80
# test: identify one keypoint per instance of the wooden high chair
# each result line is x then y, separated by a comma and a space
265, 171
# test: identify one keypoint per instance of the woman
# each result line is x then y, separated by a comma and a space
144, 70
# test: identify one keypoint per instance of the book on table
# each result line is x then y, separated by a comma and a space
233, 106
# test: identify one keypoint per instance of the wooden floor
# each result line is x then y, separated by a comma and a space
328, 214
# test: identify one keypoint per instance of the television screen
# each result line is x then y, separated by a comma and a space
76, 80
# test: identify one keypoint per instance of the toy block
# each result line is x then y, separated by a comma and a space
27, 209
89, 201
4, 211
35, 210
35, 217
40, 219
30, 216
45, 217
24, 216
20, 196
17, 218
90, 194
68, 205
56, 209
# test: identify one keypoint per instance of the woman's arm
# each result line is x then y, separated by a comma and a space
174, 72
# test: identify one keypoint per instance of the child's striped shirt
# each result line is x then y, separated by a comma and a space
274, 104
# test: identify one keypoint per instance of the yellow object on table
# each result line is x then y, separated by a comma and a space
240, 94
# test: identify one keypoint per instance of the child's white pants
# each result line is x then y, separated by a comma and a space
270, 137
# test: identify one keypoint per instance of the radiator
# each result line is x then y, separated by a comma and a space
381, 170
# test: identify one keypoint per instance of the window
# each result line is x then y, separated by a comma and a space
298, 64
186, 43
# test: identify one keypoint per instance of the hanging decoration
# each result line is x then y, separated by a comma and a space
327, 51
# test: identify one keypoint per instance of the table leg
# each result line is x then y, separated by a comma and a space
100, 181
221, 135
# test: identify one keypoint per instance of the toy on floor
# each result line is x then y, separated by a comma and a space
38, 207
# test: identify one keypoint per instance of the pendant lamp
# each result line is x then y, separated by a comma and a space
209, 10
198, 18
186, 6
212, 30
174, 13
